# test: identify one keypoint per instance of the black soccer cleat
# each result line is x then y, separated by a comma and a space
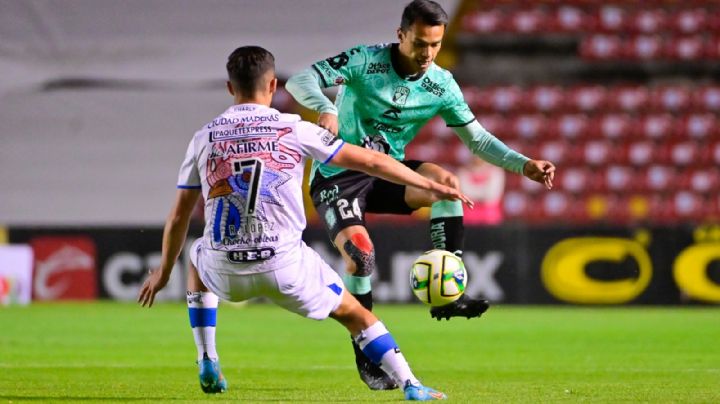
462, 307
372, 374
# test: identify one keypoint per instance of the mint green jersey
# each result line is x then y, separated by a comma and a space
380, 110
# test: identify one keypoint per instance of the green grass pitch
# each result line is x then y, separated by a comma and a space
118, 352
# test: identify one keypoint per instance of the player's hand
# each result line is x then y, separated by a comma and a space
453, 194
541, 171
329, 122
152, 285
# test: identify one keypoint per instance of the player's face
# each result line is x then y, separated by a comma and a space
420, 44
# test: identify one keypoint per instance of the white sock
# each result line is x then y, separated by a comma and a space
202, 308
377, 343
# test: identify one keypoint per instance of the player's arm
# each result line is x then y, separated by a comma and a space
174, 234
306, 86
486, 146
383, 166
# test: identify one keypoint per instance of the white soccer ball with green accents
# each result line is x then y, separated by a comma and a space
438, 277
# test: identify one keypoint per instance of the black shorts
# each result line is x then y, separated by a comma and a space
342, 200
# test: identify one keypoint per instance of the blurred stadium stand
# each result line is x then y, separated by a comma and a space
622, 95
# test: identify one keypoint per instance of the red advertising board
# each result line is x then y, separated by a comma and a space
65, 268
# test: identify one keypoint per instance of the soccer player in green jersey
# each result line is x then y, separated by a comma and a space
387, 93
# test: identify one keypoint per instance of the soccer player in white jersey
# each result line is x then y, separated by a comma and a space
248, 166
387, 93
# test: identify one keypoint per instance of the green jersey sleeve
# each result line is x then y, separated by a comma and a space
343, 68
456, 112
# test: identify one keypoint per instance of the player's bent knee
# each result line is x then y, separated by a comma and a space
362, 253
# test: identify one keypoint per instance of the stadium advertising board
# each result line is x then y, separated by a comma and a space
509, 264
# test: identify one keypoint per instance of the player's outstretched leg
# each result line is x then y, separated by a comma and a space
359, 255
211, 378
447, 232
378, 345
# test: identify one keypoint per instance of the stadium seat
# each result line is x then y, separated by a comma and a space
528, 127
505, 98
484, 21
688, 206
707, 98
684, 153
601, 47
613, 127
686, 48
658, 127
544, 99
699, 126
554, 150
528, 21
584, 98
670, 98
612, 18
643, 47
629, 98
648, 21
658, 178
704, 180
570, 19
597, 152
640, 153
688, 21
574, 179
619, 178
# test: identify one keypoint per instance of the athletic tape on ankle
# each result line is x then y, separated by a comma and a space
446, 209
357, 285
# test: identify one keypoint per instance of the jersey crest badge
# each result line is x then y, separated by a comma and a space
401, 94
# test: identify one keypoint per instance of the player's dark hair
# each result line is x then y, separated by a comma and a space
246, 66
426, 11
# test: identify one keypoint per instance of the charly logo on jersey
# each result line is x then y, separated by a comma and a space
377, 143
326, 137
400, 95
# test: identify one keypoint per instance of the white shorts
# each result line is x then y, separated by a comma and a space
309, 287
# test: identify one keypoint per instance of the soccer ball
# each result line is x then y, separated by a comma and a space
438, 277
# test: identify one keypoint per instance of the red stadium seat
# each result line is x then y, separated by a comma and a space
529, 127
671, 98
703, 180
485, 21
570, 127
516, 205
612, 18
701, 126
684, 153
619, 178
657, 126
689, 21
556, 206
574, 180
644, 47
601, 47
544, 99
555, 151
648, 21
641, 153
629, 98
570, 19
688, 206
528, 21
658, 178
506, 98
597, 152
614, 127
707, 98
688, 48
587, 98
